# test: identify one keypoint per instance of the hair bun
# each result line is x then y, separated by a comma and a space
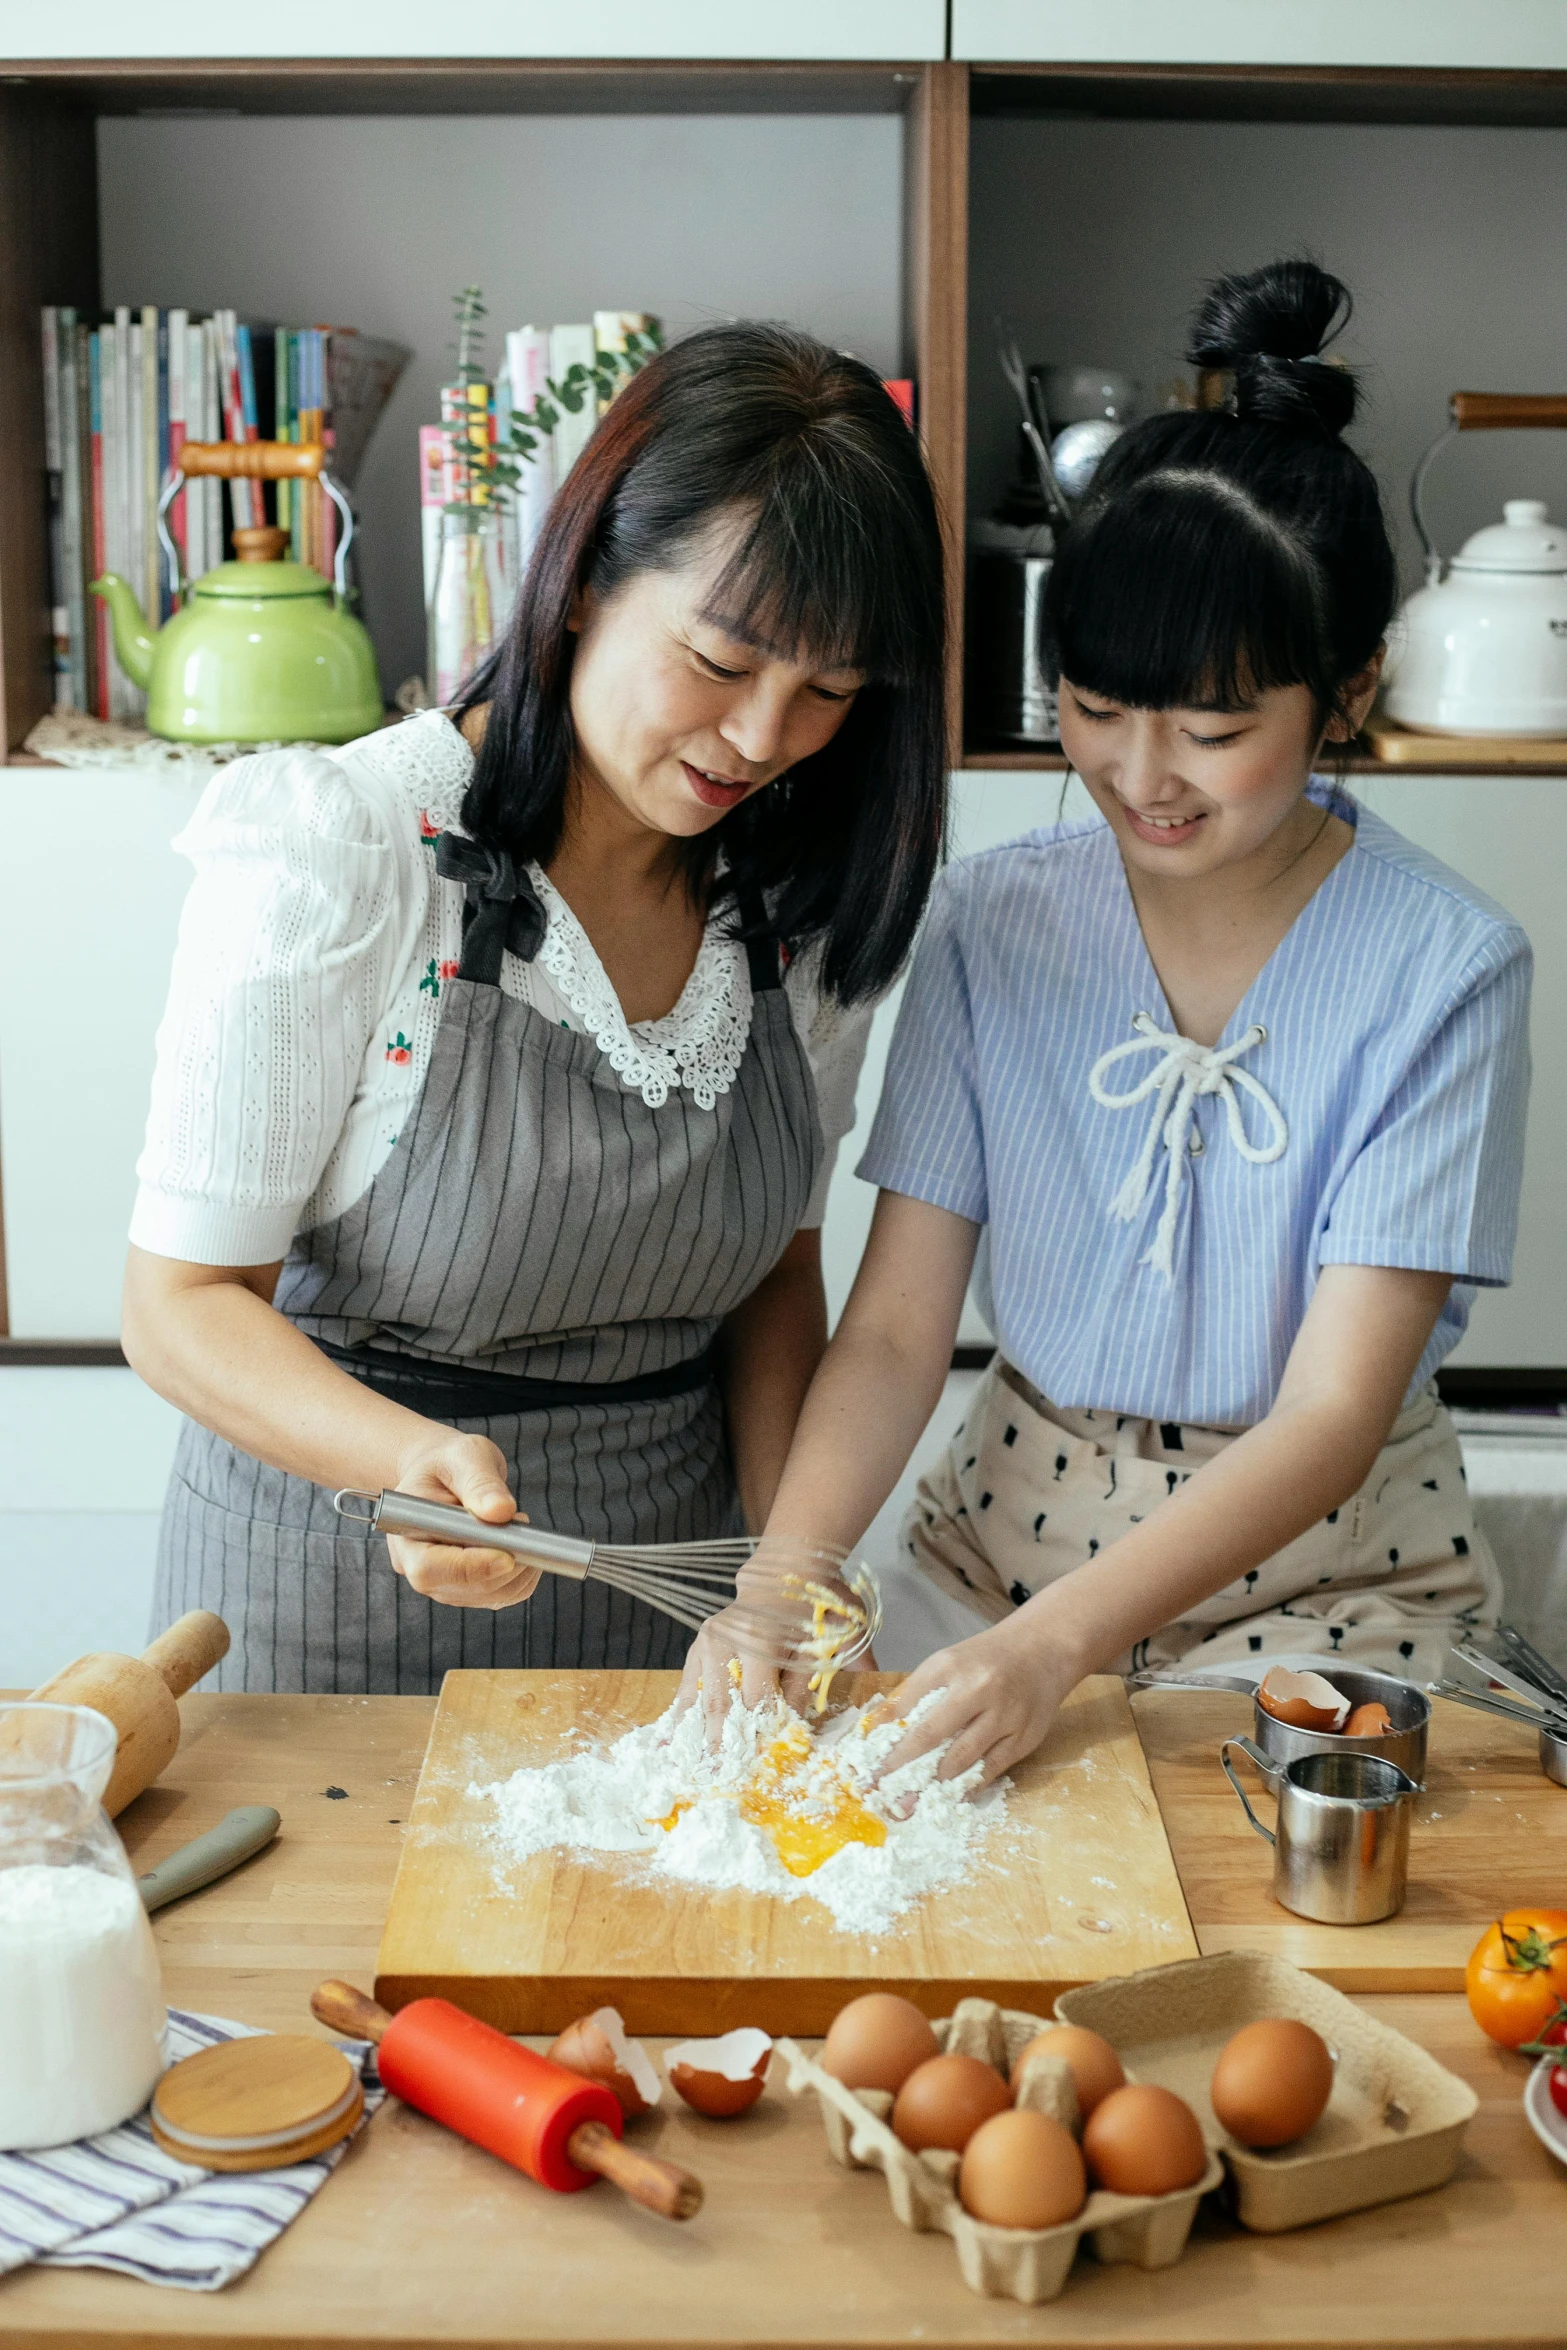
1268, 329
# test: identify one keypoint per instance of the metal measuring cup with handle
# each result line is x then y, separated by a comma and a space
1341, 1840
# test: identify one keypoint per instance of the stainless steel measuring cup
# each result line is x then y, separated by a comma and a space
1341, 1843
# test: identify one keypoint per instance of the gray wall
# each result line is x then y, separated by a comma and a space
376, 222
1095, 238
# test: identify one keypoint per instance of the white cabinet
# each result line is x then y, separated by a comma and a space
862, 30
90, 893
1520, 34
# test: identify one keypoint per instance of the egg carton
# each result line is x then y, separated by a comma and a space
1019, 2264
1394, 2124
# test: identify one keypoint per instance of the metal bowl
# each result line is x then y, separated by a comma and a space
1553, 1757
1408, 1708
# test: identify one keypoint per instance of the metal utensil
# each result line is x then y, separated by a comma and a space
812, 1606
1504, 1676
1341, 1844
1017, 376
1485, 1702
1528, 1658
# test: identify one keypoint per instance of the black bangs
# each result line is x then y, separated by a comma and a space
1218, 555
816, 577
1182, 595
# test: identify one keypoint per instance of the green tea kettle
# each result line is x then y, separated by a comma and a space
260, 650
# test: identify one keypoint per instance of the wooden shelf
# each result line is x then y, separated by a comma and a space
1052, 763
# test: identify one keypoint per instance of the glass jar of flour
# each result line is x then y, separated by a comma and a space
82, 2017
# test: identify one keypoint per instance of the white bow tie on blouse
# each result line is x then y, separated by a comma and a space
1182, 1073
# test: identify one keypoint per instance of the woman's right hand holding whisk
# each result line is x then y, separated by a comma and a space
445, 1465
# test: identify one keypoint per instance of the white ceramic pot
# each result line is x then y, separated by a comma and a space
1484, 651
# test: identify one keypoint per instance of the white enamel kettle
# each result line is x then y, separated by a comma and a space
1484, 650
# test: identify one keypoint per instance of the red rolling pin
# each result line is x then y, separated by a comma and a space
560, 2129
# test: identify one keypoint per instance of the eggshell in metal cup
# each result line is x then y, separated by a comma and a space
1408, 1708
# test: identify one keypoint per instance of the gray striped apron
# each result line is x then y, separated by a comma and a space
544, 1260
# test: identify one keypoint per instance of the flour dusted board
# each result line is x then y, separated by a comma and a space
1081, 1885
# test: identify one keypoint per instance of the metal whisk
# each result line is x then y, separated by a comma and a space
816, 1605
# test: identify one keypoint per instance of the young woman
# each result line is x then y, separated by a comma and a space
1229, 1079
505, 1063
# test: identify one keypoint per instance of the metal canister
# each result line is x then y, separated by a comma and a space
1011, 699
1341, 1843
1553, 1757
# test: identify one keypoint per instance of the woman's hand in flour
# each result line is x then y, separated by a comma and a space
470, 1471
1000, 1694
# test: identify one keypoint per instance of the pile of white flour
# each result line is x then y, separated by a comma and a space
615, 1799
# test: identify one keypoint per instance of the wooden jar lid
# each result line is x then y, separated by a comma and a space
257, 2104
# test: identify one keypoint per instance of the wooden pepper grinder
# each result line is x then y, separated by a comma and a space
137, 1694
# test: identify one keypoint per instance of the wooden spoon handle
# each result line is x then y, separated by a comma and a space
661, 2186
343, 2009
188, 1649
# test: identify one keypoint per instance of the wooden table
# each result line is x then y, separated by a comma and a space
419, 2239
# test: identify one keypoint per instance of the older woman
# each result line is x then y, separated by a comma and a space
506, 1056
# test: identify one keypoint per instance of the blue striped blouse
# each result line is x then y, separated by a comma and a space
1395, 1054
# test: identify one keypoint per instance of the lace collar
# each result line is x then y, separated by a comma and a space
700, 1044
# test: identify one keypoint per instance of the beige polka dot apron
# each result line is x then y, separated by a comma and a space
1027, 1490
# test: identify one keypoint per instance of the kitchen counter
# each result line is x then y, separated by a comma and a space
420, 2239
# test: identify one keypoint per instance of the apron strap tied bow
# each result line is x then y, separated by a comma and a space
1183, 1072
501, 907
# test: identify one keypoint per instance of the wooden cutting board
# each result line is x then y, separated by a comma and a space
1482, 754
1489, 1833
1081, 1886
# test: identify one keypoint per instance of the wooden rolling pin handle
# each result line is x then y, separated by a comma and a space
253, 460
188, 1649
1500, 411
343, 2009
660, 2186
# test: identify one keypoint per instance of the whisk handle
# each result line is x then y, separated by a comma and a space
406, 1513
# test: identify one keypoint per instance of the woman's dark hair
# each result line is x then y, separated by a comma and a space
838, 558
1223, 551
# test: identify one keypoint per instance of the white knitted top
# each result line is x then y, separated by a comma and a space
305, 996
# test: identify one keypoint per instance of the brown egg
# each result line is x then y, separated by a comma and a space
1370, 1720
1022, 2170
1304, 1700
1271, 2082
876, 2042
720, 2077
1144, 2140
944, 2100
1095, 2067
597, 2046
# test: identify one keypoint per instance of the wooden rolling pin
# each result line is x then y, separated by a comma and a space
562, 2130
138, 1693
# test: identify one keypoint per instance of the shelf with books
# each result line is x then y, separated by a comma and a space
55, 113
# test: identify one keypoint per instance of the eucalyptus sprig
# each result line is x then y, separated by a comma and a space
531, 425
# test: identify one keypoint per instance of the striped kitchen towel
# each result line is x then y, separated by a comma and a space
118, 2201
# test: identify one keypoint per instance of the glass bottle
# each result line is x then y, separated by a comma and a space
471, 600
82, 2018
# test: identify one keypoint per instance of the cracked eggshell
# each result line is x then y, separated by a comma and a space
720, 2077
597, 2047
1304, 1700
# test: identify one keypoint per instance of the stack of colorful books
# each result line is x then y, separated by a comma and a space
121, 398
